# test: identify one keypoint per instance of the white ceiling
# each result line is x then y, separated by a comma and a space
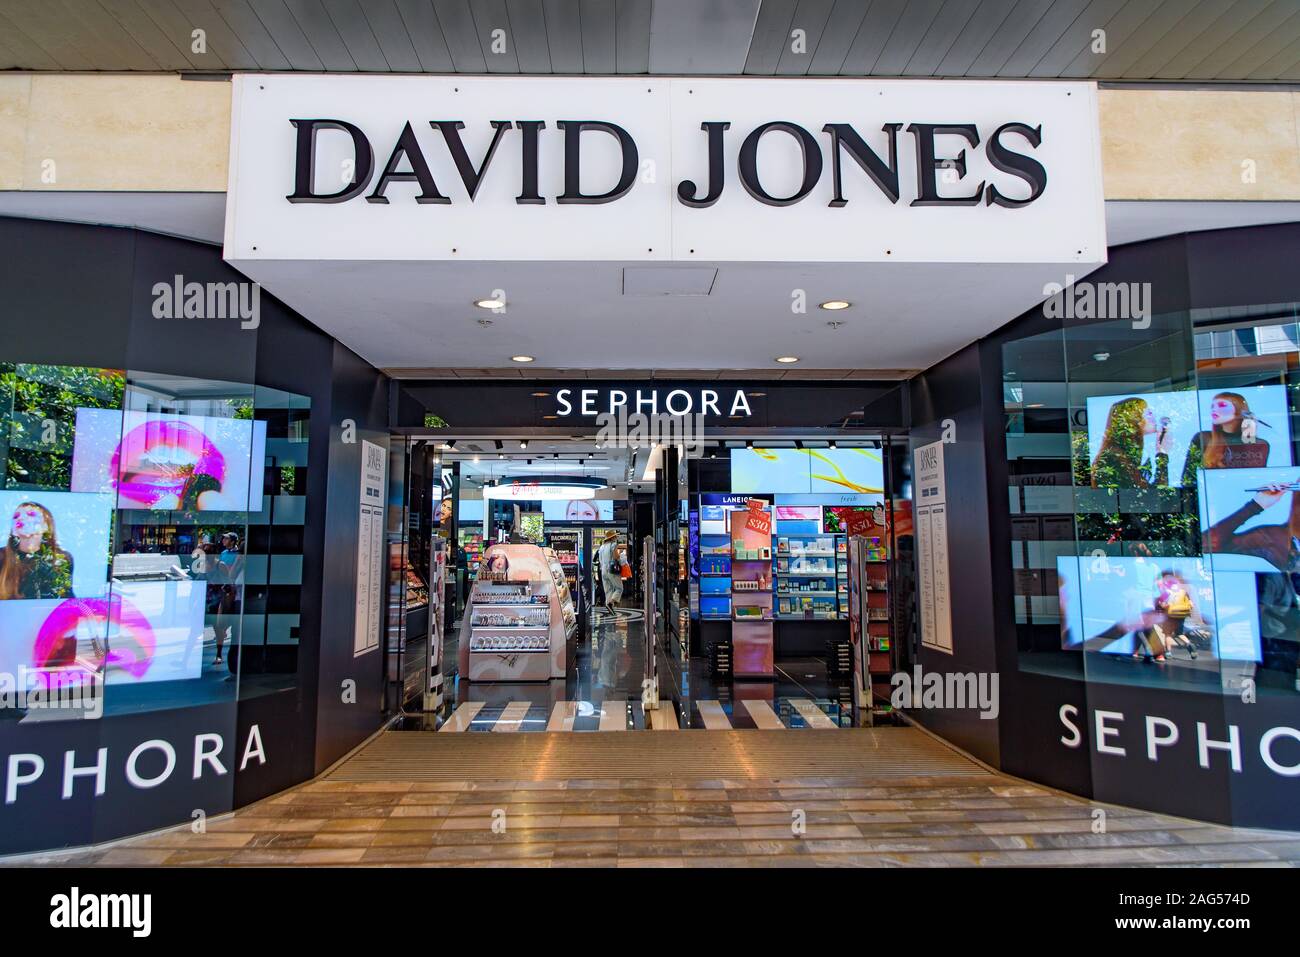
575, 315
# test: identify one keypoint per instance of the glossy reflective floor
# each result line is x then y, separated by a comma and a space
605, 687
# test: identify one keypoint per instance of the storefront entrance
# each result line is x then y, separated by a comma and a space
580, 578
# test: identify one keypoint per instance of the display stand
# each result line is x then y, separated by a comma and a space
870, 628
807, 576
435, 596
567, 544
519, 626
650, 663
751, 592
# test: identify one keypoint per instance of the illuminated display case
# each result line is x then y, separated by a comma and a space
520, 623
807, 576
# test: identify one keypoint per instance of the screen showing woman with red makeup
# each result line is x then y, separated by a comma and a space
32, 565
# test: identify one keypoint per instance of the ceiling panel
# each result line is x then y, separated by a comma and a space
1119, 29
1038, 42
284, 31
426, 35
1232, 19
496, 39
1018, 24
771, 31
906, 36
872, 36
564, 35
944, 30
1078, 39
35, 23
117, 44
358, 37
252, 33
597, 36
461, 33
975, 36
319, 30
811, 17
632, 40
391, 34
837, 37
1162, 40
1192, 26
1247, 34
528, 33
220, 39
689, 37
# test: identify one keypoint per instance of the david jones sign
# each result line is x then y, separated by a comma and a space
546, 168
407, 163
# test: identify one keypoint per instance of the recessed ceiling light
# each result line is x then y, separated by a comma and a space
830, 444
489, 303
523, 443
521, 358
835, 304
787, 359
1101, 356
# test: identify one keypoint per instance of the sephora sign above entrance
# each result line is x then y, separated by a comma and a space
710, 170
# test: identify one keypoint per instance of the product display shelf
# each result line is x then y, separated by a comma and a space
471, 546
752, 596
807, 571
871, 620
715, 565
518, 629
569, 616
567, 544
842, 573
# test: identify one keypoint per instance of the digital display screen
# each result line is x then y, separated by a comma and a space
859, 471
137, 633
1130, 605
167, 462
56, 545
579, 510
1211, 429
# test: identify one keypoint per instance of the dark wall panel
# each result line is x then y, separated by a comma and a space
952, 391
360, 394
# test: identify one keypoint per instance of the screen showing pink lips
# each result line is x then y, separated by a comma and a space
140, 632
170, 462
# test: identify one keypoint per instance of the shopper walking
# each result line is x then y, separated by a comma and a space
611, 570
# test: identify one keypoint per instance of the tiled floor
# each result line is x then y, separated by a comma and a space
578, 804
603, 690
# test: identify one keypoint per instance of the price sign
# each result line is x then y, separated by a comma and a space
758, 519
859, 522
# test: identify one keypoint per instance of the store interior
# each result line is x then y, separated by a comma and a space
554, 582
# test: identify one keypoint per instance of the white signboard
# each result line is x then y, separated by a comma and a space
930, 502
412, 168
370, 548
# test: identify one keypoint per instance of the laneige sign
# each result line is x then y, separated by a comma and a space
469, 168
